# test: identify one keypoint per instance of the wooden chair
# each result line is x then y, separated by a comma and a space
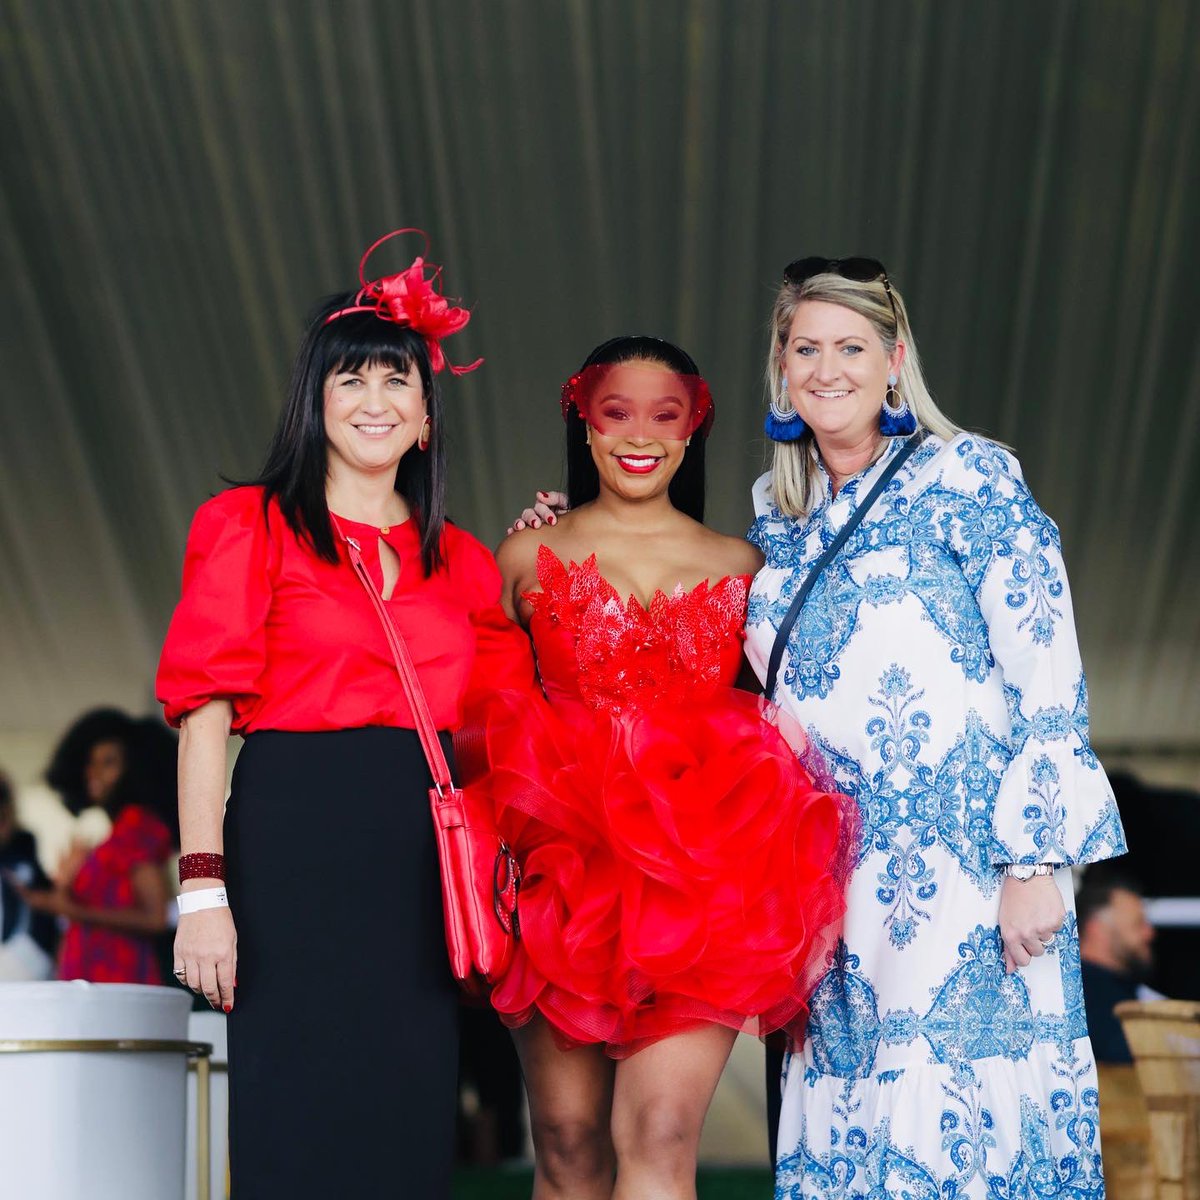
1164, 1036
1124, 1134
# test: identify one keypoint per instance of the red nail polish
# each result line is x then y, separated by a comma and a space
228, 1009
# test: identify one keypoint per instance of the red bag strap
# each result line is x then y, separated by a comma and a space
426, 729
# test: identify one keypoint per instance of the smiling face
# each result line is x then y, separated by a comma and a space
837, 371
638, 416
373, 416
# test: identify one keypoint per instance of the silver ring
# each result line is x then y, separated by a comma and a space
181, 973
1046, 945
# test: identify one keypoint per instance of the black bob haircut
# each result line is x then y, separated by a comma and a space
686, 489
295, 469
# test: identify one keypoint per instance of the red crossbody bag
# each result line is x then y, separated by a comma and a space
481, 878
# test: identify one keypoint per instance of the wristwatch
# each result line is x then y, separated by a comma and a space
1023, 872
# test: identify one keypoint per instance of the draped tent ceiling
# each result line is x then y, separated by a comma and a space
180, 180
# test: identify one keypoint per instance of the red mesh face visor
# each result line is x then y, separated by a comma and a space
639, 400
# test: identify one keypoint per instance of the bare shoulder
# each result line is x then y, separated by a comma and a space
516, 556
732, 555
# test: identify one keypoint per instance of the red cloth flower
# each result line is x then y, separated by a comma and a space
410, 298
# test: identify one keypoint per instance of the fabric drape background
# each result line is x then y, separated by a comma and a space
179, 181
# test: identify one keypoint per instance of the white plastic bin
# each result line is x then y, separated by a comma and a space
102, 1125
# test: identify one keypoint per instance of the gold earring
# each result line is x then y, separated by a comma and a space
425, 434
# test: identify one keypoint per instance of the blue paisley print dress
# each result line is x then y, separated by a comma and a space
936, 668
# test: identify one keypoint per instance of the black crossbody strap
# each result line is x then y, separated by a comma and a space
785, 628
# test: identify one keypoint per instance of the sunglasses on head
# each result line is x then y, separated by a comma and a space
860, 270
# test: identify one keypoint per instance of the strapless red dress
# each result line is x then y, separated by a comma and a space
679, 865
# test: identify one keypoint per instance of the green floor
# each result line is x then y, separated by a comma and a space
714, 1183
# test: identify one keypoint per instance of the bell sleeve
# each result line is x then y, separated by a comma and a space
216, 643
1054, 803
503, 656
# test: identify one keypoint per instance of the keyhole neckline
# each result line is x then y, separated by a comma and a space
379, 530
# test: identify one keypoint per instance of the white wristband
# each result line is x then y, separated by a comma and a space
190, 902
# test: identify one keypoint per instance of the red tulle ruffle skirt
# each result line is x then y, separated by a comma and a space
679, 868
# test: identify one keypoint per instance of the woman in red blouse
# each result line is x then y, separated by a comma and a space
114, 896
330, 957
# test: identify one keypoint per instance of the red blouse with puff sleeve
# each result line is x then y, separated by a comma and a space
293, 642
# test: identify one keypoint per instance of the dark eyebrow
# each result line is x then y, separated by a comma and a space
658, 400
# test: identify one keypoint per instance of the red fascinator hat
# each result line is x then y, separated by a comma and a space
411, 297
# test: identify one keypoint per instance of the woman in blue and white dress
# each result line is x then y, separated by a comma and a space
936, 668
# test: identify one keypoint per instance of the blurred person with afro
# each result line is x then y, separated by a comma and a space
114, 897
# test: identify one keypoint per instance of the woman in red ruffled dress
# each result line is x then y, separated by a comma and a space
681, 876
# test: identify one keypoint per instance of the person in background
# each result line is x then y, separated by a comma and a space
114, 896
1162, 826
1116, 953
493, 1130
27, 938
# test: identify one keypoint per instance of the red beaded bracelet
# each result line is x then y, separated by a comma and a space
202, 866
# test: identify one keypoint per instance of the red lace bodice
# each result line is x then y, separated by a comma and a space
621, 657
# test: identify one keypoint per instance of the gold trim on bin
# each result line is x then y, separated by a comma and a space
197, 1053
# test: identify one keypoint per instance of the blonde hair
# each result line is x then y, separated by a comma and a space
794, 471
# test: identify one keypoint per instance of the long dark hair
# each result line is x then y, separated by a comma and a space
686, 489
295, 468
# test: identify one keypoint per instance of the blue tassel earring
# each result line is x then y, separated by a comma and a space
896, 419
783, 424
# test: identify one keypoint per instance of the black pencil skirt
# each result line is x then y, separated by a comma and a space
343, 1044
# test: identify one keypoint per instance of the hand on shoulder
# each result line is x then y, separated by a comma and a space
547, 508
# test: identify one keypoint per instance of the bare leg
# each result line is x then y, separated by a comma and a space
570, 1099
660, 1100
